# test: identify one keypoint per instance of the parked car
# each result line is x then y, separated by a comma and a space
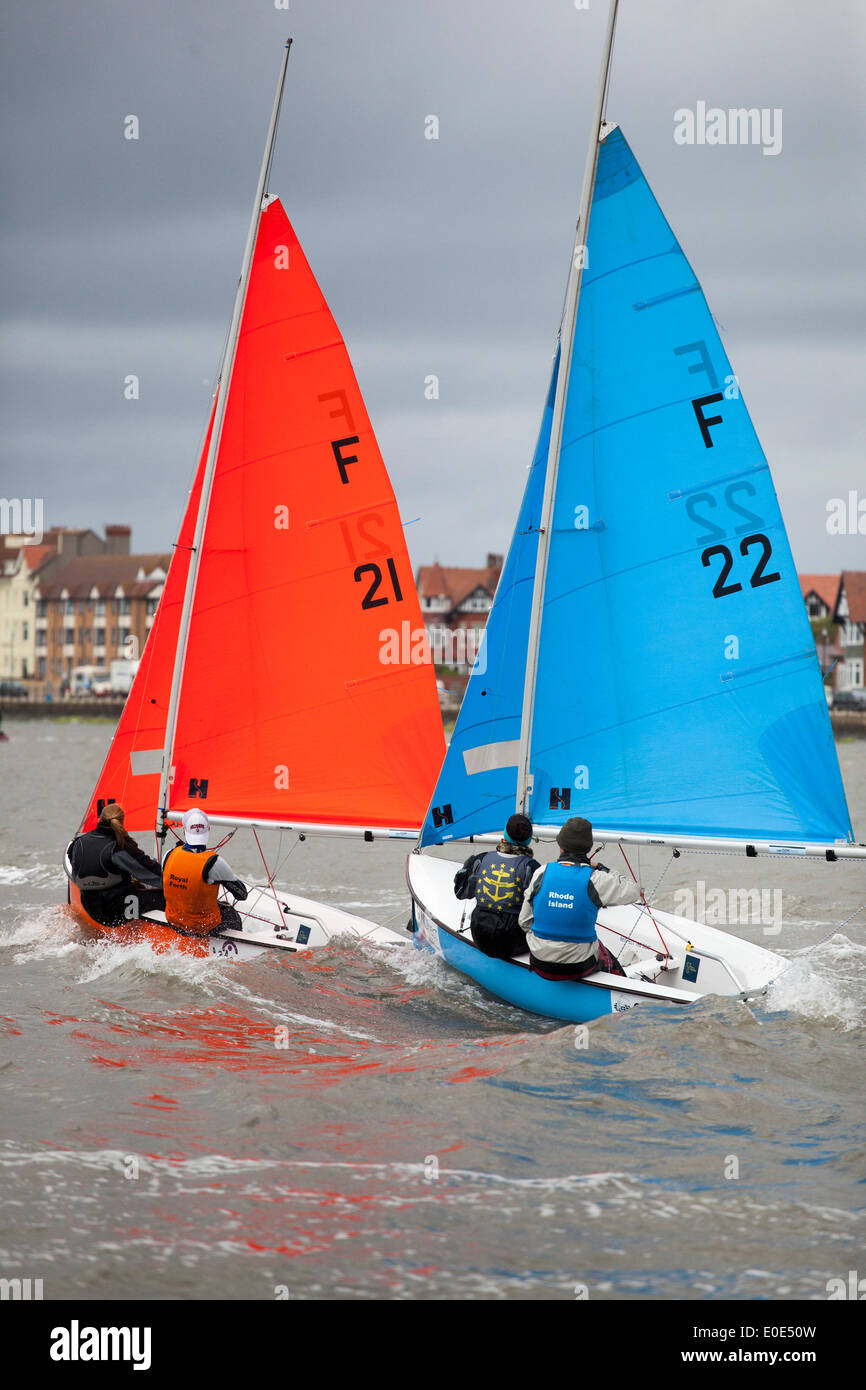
850, 699
13, 690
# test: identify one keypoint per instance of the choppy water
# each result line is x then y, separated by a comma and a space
414, 1139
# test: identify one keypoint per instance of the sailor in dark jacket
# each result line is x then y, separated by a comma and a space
117, 880
497, 880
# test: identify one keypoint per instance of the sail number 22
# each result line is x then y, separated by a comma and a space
759, 575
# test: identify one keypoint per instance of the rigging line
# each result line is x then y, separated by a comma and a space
646, 904
809, 949
268, 874
288, 854
654, 950
254, 917
653, 892
394, 915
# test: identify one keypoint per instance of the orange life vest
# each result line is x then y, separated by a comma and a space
190, 903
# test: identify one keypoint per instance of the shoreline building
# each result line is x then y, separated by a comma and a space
75, 599
98, 609
849, 611
455, 603
820, 592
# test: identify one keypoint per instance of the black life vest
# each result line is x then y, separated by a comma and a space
90, 861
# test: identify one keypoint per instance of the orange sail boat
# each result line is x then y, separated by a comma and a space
266, 694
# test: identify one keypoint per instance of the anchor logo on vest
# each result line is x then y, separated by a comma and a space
497, 886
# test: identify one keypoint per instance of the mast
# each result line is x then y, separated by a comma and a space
575, 277
213, 453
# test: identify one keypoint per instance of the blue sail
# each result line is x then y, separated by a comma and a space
678, 687
476, 790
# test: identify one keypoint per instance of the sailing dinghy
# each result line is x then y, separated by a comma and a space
262, 696
648, 661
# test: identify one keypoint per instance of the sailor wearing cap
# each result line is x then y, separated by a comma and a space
497, 881
191, 880
561, 906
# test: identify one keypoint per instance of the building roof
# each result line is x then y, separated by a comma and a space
105, 573
13, 556
826, 586
854, 584
437, 581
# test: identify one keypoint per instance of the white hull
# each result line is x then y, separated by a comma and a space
271, 921
704, 961
291, 924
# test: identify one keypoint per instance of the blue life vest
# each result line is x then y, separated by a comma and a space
562, 909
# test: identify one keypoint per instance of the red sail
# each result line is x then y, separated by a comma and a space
307, 690
131, 771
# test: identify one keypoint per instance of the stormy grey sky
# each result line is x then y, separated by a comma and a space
444, 257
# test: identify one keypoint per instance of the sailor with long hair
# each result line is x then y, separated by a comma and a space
117, 880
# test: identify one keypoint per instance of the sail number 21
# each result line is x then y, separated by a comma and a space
759, 575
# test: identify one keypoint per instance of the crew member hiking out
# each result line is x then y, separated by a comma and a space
497, 881
561, 906
117, 880
192, 878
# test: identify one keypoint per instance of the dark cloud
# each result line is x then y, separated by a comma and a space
443, 256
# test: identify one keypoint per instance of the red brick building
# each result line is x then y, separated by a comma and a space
94, 610
849, 611
454, 605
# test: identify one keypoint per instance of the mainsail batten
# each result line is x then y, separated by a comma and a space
677, 686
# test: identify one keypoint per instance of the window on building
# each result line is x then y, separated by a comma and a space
125, 605
25, 632
26, 599
99, 636
99, 608
69, 637
40, 609
40, 668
